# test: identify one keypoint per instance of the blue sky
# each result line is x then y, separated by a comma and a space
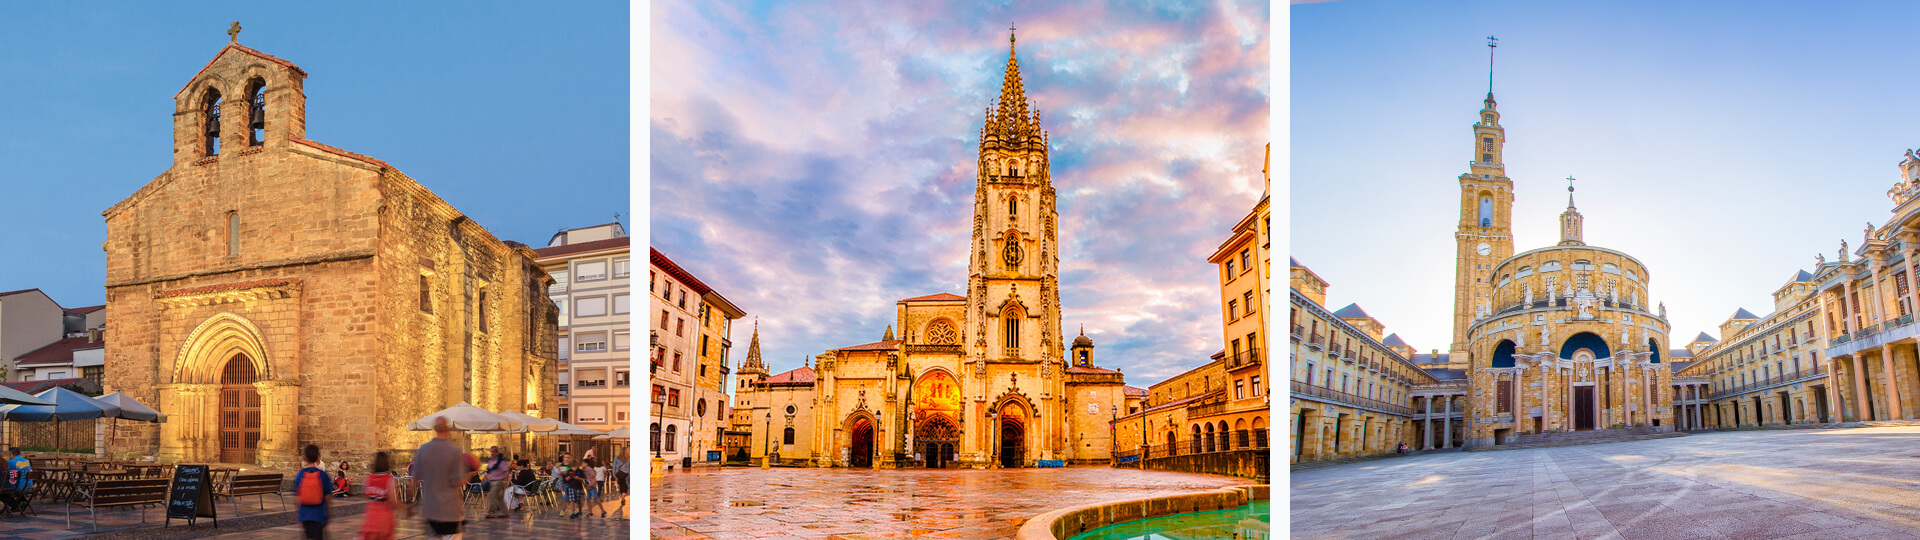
514, 112
1723, 144
815, 163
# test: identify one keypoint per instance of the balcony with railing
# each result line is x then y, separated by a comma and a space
1254, 440
1314, 341
1778, 380
563, 389
1243, 359
1298, 331
1333, 349
1322, 393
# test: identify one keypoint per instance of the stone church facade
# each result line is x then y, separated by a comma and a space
981, 380
268, 291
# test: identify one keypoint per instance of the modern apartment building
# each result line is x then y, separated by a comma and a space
591, 268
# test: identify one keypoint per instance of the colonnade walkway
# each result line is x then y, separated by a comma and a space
1816, 483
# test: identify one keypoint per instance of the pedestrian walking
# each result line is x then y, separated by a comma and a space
379, 524
498, 469
600, 486
575, 481
438, 468
312, 485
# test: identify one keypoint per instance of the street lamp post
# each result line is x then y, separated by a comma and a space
1113, 437
659, 463
766, 461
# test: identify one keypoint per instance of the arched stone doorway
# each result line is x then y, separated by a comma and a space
1013, 435
936, 404
206, 394
935, 437
860, 447
239, 411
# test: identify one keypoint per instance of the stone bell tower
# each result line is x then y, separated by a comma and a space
242, 101
1013, 338
1484, 236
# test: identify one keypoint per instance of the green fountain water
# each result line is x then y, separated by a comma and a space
1250, 522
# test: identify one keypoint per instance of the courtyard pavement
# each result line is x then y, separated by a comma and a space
791, 503
1827, 483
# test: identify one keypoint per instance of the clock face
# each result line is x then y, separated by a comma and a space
1483, 249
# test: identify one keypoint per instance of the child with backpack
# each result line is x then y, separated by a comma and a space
312, 484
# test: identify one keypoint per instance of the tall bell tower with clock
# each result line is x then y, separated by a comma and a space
1485, 235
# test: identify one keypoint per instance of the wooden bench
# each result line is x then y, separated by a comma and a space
262, 484
107, 493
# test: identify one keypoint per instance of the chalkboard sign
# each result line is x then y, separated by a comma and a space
191, 496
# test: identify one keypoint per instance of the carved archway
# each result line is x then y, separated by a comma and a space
193, 395
860, 438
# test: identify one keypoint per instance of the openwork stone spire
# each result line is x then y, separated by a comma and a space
1014, 120
754, 363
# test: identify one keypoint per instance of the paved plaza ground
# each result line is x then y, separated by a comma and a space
863, 503
1827, 483
252, 521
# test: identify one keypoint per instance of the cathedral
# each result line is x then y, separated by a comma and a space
981, 380
1557, 338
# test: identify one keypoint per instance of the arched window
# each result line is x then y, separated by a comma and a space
256, 112
671, 431
1011, 332
233, 233
1503, 355
1550, 266
210, 110
786, 437
1013, 208
1486, 212
654, 433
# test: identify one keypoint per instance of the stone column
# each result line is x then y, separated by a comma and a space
1891, 383
1846, 305
1546, 383
1426, 426
192, 430
279, 422
1446, 437
1910, 279
1860, 388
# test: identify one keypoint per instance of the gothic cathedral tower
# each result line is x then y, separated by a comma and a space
1013, 302
1485, 235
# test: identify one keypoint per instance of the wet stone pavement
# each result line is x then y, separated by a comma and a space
532, 523
1812, 484
862, 503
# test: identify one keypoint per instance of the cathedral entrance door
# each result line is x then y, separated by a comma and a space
934, 431
1582, 408
1012, 445
239, 411
861, 453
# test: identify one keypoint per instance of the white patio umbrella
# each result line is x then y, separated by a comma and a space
464, 417
622, 433
570, 429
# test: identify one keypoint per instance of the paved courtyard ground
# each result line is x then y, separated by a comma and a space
860, 503
1830, 483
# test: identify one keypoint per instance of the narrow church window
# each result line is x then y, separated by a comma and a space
1486, 144
256, 112
1013, 208
426, 295
233, 233
1013, 333
1486, 158
786, 437
1486, 212
211, 131
483, 313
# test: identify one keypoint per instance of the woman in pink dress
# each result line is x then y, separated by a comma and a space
380, 512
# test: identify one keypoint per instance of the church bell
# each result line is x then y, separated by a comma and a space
257, 113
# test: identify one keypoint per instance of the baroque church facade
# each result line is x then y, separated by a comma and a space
1554, 339
981, 380
268, 291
